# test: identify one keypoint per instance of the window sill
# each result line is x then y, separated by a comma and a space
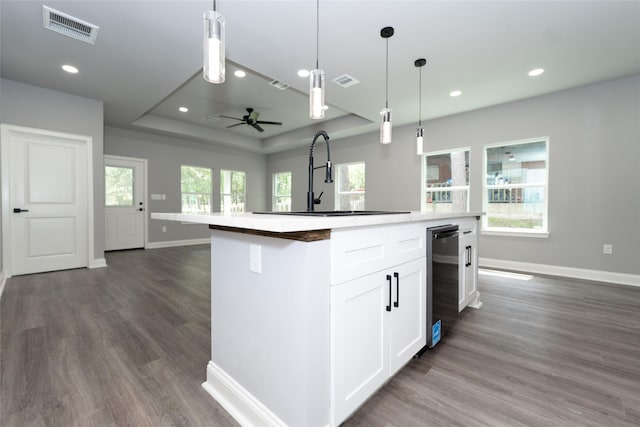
511, 233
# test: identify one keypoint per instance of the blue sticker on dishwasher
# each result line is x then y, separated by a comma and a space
435, 333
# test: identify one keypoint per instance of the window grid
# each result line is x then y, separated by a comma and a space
446, 181
350, 186
232, 191
515, 196
281, 192
196, 189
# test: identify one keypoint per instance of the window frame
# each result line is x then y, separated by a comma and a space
228, 196
338, 193
542, 232
274, 191
210, 194
426, 189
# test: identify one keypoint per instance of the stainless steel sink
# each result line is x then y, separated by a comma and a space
334, 213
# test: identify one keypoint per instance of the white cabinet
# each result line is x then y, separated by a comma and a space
468, 244
377, 325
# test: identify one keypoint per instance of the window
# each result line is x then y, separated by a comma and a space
350, 184
232, 191
196, 189
515, 195
446, 181
281, 192
118, 186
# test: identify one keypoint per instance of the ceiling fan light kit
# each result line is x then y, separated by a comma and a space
420, 130
316, 78
385, 127
213, 46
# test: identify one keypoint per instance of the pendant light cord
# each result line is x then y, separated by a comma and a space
214, 5
420, 98
386, 88
317, 32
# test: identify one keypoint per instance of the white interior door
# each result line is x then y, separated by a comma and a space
48, 200
125, 212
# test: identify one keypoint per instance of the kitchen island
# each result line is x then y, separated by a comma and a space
311, 315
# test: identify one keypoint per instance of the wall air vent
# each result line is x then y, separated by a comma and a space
345, 80
278, 84
68, 25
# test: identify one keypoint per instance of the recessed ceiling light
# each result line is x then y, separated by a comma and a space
303, 73
70, 69
239, 73
536, 72
455, 93
183, 109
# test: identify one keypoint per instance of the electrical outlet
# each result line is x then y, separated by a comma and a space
607, 249
255, 258
164, 228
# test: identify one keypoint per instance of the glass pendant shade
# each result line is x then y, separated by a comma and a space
316, 94
385, 128
213, 42
419, 141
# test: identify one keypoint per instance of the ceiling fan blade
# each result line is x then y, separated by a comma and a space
257, 127
229, 117
262, 122
237, 124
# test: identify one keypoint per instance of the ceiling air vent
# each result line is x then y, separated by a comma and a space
345, 80
68, 25
278, 84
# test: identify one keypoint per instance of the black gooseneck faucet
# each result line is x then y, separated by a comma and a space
311, 200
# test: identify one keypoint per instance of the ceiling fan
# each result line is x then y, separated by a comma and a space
251, 119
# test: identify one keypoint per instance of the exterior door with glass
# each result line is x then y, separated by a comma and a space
125, 196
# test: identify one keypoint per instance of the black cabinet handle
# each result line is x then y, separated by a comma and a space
18, 210
389, 280
397, 276
140, 209
470, 255
468, 260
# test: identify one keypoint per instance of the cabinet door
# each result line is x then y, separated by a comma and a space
468, 285
407, 330
359, 342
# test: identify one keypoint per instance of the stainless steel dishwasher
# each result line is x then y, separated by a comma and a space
442, 282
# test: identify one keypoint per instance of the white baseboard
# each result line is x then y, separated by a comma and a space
556, 270
174, 243
3, 281
237, 401
97, 263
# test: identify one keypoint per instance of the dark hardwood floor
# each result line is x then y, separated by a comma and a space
128, 345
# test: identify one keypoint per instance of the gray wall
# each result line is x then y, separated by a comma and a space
165, 156
594, 190
32, 106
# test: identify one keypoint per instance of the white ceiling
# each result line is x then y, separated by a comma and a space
148, 57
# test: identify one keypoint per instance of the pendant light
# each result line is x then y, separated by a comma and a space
385, 127
316, 78
420, 131
213, 46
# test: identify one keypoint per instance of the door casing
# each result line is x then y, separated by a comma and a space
6, 132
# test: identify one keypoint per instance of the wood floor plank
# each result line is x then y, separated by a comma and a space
128, 345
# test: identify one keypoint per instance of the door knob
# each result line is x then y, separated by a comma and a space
18, 210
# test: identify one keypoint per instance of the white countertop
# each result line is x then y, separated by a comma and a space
292, 223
